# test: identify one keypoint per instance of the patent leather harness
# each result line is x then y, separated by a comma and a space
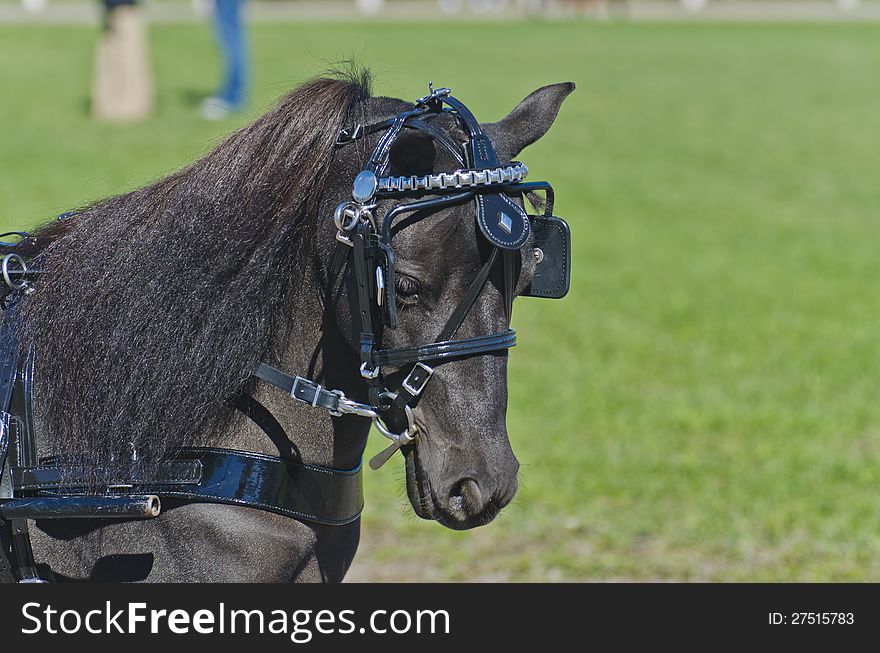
51, 488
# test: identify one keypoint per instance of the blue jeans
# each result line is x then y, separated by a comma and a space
233, 48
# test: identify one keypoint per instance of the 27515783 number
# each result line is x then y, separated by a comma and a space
810, 618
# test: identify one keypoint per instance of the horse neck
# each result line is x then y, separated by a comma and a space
316, 349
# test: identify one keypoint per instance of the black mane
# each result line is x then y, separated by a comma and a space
155, 305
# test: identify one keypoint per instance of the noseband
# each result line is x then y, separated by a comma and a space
365, 243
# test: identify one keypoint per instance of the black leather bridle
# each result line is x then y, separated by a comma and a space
365, 243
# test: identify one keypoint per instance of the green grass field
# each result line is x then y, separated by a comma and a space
703, 405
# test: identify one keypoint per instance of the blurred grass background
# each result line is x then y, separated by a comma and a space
703, 406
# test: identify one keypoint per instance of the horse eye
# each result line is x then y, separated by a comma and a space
407, 287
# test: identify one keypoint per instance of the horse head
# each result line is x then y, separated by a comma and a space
449, 255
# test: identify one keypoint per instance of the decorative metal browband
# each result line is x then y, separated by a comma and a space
514, 173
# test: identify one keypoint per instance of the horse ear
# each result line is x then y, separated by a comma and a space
413, 153
529, 120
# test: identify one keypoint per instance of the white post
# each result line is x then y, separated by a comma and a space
122, 83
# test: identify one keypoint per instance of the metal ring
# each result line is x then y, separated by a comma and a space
409, 433
347, 209
19, 285
413, 430
394, 437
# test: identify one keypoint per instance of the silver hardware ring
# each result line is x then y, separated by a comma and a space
354, 212
409, 433
15, 285
399, 438
345, 210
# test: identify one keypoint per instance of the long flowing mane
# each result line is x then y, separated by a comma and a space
154, 305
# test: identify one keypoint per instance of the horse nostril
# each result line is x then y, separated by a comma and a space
466, 496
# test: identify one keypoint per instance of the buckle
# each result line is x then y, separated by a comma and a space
369, 374
433, 95
346, 137
413, 376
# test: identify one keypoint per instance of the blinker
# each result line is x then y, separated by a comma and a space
552, 253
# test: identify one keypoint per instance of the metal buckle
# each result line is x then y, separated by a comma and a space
433, 95
345, 137
348, 215
369, 374
409, 387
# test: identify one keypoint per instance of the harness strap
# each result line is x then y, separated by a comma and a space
312, 393
25, 449
363, 312
464, 306
215, 475
51, 474
447, 349
5, 477
347, 136
512, 268
299, 388
481, 153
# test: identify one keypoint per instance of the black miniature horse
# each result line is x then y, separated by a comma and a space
154, 306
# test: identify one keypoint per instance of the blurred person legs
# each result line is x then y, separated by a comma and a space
229, 25
122, 84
